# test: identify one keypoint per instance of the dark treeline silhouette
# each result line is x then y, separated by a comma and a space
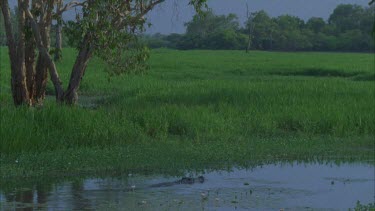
349, 28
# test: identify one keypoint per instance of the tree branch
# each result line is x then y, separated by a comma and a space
43, 50
149, 7
138, 16
70, 6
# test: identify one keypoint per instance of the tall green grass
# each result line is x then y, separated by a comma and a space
200, 96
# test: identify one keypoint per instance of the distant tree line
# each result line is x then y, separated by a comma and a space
349, 28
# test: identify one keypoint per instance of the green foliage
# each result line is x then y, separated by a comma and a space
212, 32
348, 29
346, 17
261, 27
157, 40
110, 29
72, 32
353, 40
130, 58
361, 207
112, 33
199, 5
316, 25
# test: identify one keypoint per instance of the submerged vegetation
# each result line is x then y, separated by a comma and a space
195, 109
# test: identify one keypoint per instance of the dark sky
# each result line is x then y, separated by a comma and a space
171, 16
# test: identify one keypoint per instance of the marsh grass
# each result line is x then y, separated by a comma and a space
315, 72
197, 107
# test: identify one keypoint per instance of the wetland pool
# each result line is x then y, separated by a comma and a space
293, 186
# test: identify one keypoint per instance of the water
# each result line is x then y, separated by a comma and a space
270, 187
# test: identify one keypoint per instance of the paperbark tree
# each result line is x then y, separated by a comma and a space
16, 54
58, 38
106, 25
28, 80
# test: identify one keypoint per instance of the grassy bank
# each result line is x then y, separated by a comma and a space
196, 108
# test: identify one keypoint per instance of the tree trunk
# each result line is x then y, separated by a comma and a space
30, 69
71, 94
19, 84
58, 50
41, 78
248, 43
41, 35
16, 55
249, 25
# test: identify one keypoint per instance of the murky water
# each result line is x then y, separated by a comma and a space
270, 187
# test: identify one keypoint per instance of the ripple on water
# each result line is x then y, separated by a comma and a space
287, 186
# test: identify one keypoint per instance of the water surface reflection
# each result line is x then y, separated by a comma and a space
268, 187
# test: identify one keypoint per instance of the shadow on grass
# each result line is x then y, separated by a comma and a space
207, 98
318, 72
367, 77
237, 72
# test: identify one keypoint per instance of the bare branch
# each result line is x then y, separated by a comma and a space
70, 6
149, 7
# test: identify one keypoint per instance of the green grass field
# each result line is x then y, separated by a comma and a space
196, 109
